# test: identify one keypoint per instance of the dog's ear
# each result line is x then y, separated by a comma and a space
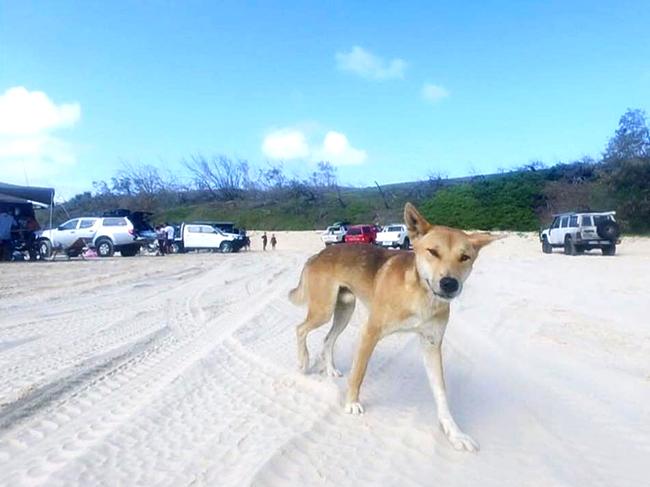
480, 240
415, 223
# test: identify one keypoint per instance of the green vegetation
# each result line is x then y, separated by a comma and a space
506, 203
522, 200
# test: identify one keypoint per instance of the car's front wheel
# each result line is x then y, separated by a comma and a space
546, 247
407, 244
104, 247
225, 247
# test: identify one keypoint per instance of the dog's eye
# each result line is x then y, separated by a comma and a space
464, 258
434, 252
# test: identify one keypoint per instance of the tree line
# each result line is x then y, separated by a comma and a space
269, 197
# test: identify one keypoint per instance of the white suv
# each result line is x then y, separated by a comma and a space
394, 235
577, 232
106, 234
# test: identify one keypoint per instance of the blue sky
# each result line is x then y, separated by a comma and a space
388, 93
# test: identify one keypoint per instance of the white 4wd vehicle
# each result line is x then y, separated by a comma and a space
106, 234
394, 235
577, 232
196, 236
334, 234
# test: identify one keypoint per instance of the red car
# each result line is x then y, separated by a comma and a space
366, 234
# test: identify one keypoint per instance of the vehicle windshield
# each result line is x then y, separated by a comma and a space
393, 229
354, 231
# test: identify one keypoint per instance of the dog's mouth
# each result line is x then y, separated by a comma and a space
441, 295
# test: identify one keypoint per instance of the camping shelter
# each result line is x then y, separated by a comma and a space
13, 195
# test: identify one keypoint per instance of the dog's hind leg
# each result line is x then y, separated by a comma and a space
345, 303
321, 307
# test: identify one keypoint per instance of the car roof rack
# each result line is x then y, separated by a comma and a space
572, 213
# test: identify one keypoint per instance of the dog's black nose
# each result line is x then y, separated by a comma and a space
449, 285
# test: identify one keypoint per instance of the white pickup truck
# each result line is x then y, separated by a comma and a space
198, 236
334, 234
395, 235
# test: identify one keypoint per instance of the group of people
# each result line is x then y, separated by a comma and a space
17, 231
165, 236
265, 240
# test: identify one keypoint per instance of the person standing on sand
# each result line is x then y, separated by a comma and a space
274, 241
160, 235
169, 238
264, 241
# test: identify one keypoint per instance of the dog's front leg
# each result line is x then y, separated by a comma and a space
367, 342
431, 349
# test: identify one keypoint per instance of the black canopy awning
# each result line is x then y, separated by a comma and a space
31, 193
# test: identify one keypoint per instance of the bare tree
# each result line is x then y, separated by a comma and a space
137, 179
383, 196
222, 177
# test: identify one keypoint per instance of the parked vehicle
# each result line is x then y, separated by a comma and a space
117, 231
577, 232
364, 234
394, 235
334, 234
197, 236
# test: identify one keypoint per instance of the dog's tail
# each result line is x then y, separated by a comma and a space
298, 295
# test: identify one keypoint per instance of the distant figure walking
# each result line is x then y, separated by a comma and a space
264, 241
274, 241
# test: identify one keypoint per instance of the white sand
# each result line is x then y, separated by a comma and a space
181, 371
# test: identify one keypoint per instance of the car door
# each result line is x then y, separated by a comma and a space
66, 233
564, 228
212, 236
192, 237
554, 232
87, 228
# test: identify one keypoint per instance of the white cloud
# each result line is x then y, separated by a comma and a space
293, 144
25, 112
337, 149
367, 65
27, 148
434, 93
285, 144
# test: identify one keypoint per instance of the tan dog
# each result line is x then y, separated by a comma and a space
404, 291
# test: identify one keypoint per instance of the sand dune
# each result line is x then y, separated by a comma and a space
181, 370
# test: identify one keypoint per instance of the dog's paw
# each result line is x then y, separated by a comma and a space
457, 438
353, 408
333, 372
304, 367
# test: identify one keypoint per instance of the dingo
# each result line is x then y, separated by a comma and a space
404, 291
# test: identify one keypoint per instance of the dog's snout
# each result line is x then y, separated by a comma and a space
449, 285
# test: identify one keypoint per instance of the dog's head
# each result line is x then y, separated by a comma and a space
444, 256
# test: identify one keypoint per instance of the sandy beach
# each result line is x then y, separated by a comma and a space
181, 370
